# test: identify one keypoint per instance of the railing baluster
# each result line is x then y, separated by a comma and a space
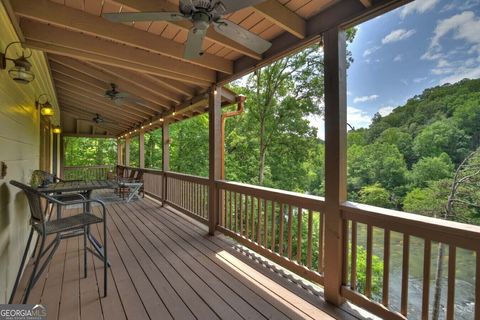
368, 277
247, 222
289, 227
452, 260
427, 253
273, 228
235, 210
265, 223
259, 207
353, 272
280, 232
252, 209
477, 285
321, 224
386, 267
240, 215
299, 235
309, 239
230, 211
405, 265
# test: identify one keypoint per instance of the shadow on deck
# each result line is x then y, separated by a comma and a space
164, 265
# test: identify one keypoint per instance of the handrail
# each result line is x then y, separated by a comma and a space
187, 177
450, 232
88, 167
305, 201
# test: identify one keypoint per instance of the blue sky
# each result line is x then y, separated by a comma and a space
396, 56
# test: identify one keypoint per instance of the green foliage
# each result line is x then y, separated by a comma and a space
189, 146
431, 169
89, 152
135, 151
153, 149
377, 273
428, 201
442, 136
375, 195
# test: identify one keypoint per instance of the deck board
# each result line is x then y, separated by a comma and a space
164, 265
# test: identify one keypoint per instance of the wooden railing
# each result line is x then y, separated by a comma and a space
188, 194
289, 229
286, 227
87, 172
406, 228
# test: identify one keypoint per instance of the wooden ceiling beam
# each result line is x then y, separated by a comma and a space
89, 73
125, 76
212, 35
179, 87
73, 112
112, 61
366, 3
63, 16
86, 43
283, 17
85, 96
98, 91
86, 105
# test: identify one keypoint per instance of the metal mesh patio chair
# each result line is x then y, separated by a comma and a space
62, 228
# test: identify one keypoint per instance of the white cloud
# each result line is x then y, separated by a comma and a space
385, 111
418, 80
419, 6
365, 98
358, 118
398, 58
370, 51
398, 35
462, 73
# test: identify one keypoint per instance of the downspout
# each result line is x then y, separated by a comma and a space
240, 105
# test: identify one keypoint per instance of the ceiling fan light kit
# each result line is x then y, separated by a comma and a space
202, 14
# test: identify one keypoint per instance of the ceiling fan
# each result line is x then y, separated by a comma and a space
120, 97
98, 119
202, 14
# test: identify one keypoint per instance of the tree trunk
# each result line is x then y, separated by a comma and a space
437, 295
261, 160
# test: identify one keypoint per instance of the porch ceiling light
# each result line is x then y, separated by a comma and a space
21, 70
57, 130
46, 108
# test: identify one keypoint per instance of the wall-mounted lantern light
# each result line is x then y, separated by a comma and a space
46, 108
57, 130
21, 70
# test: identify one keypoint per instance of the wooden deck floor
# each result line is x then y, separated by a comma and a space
164, 266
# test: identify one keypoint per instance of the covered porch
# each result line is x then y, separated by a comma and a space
204, 247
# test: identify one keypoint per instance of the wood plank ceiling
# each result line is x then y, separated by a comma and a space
87, 53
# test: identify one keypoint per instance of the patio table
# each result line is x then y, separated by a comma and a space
86, 188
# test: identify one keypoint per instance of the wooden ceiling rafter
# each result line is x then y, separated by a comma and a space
83, 116
83, 43
281, 16
76, 79
81, 21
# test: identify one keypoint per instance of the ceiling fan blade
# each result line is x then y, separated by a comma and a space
193, 46
133, 100
144, 16
242, 36
235, 5
118, 102
122, 95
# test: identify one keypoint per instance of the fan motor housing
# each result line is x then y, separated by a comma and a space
201, 20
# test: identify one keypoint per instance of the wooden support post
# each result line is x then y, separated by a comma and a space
127, 151
335, 159
119, 152
165, 159
141, 149
62, 155
215, 151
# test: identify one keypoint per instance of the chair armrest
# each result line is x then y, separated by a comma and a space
66, 195
69, 203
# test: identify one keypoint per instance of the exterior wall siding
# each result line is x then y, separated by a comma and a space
19, 149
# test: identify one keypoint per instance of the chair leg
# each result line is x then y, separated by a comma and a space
85, 231
105, 259
35, 248
35, 267
24, 258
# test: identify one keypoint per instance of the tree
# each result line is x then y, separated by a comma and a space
376, 195
431, 169
442, 136
402, 140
